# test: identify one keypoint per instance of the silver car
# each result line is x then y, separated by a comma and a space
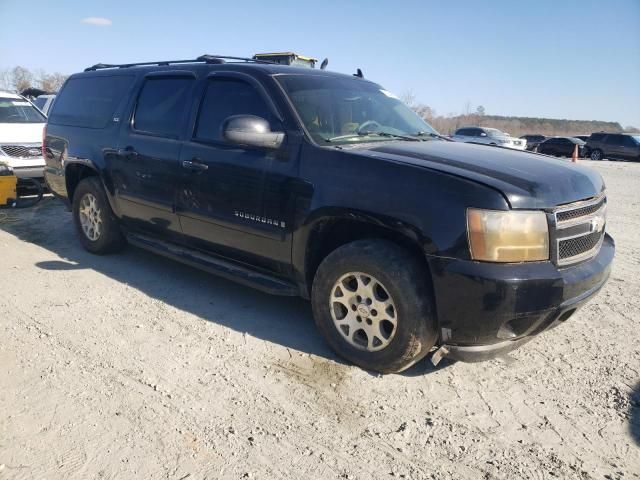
489, 136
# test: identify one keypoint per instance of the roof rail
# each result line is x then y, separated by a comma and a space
211, 59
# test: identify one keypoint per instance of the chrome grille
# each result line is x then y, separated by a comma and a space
567, 215
580, 229
22, 151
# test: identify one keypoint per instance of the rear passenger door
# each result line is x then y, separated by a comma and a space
233, 199
613, 147
145, 166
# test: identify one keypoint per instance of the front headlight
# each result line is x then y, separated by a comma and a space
508, 236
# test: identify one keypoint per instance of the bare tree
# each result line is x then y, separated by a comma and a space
21, 78
51, 82
5, 80
408, 98
480, 110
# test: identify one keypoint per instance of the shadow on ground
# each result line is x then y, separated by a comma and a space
634, 414
282, 320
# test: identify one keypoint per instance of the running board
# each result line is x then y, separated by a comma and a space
222, 267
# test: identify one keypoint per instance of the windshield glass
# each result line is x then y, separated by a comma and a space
16, 110
494, 132
636, 138
344, 110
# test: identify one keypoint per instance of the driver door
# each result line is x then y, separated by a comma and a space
232, 198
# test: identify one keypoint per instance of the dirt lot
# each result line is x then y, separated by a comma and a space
133, 366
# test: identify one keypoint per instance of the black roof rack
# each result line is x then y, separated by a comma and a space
211, 59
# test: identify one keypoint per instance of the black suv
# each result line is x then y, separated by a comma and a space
304, 182
614, 146
533, 141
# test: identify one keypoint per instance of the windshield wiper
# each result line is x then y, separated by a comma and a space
433, 135
379, 134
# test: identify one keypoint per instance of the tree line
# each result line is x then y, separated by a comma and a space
18, 79
516, 126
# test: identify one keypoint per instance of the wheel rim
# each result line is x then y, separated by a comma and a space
595, 155
90, 217
363, 311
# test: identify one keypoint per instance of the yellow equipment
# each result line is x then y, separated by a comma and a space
8, 182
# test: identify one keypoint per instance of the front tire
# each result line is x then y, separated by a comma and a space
596, 154
96, 226
373, 304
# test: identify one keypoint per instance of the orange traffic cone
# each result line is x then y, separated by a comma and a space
574, 157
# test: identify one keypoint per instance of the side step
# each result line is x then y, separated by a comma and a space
224, 268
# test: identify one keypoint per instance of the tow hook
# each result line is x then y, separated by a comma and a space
439, 354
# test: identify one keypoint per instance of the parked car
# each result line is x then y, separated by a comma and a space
533, 141
21, 126
584, 138
614, 146
305, 182
44, 102
488, 136
561, 146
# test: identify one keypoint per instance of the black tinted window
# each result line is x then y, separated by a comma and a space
597, 136
462, 131
224, 98
162, 104
613, 139
89, 101
627, 141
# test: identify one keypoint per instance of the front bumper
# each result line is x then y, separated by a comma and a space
29, 172
485, 309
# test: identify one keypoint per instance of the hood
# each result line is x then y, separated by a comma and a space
527, 180
21, 132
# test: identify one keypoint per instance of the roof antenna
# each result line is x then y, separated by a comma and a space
358, 73
324, 64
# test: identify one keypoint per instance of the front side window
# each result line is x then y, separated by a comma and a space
226, 97
347, 110
162, 105
629, 141
17, 110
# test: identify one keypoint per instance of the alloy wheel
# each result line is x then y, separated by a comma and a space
363, 311
90, 216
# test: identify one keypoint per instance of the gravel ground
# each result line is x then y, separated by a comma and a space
133, 366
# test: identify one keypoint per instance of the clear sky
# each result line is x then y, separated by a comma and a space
575, 59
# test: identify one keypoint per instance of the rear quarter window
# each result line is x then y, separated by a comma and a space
89, 101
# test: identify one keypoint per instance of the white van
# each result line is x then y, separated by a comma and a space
21, 125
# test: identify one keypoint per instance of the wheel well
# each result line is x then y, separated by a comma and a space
74, 173
329, 235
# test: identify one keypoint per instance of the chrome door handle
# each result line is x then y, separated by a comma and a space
194, 165
127, 152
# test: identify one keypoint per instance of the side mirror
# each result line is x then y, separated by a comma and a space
482, 134
251, 130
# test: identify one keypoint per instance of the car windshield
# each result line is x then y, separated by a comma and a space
345, 110
636, 138
494, 132
17, 110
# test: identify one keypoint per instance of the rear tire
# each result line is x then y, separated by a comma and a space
596, 154
373, 304
96, 225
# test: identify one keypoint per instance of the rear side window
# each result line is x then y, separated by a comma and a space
226, 97
463, 131
596, 136
613, 139
89, 101
162, 105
